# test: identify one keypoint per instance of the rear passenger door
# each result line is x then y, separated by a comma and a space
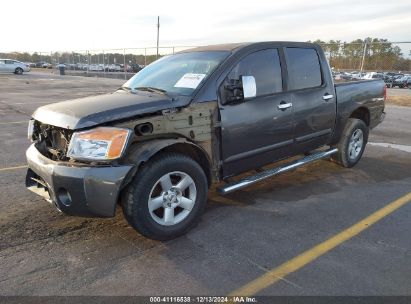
258, 130
9, 67
312, 98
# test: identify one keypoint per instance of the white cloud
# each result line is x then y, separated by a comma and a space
47, 25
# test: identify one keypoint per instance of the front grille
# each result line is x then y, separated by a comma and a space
52, 141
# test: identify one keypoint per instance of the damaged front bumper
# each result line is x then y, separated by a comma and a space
81, 190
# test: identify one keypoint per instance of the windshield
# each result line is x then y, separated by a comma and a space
178, 74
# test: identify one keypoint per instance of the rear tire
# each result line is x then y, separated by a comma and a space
352, 143
166, 197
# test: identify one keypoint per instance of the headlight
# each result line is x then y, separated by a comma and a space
103, 143
30, 129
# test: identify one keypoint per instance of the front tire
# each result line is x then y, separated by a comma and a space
18, 71
166, 197
352, 143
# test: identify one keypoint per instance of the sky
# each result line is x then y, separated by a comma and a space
53, 25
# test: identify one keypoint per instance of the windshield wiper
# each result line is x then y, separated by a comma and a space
147, 89
127, 89
152, 90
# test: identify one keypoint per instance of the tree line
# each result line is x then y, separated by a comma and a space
380, 54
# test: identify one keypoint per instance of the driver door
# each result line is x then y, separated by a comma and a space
2, 66
257, 130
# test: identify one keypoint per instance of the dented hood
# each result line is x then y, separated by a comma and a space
90, 111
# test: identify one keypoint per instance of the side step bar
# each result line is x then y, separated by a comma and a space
249, 180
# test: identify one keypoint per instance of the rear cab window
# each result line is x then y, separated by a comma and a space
265, 67
304, 69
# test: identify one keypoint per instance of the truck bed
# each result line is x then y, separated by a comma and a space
366, 94
369, 93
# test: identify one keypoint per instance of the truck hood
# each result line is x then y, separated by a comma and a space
90, 111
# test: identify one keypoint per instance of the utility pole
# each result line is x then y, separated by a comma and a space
158, 33
363, 55
124, 64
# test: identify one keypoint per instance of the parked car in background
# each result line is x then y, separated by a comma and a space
373, 75
134, 67
71, 66
96, 67
392, 74
13, 66
339, 76
61, 65
115, 67
388, 81
346, 76
82, 66
42, 64
390, 77
401, 82
357, 75
378, 76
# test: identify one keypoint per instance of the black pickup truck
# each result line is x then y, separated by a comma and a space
195, 118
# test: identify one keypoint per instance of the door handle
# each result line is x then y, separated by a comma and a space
327, 96
284, 106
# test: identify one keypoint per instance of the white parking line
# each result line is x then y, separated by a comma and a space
13, 122
13, 168
29, 103
393, 146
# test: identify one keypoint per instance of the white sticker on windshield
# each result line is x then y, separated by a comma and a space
189, 80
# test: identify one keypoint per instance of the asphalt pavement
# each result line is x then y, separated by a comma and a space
241, 236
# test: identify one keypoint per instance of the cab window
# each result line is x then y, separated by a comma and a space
265, 67
304, 70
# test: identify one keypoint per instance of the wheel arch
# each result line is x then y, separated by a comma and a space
360, 112
363, 114
140, 153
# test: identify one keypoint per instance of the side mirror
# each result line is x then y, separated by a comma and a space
249, 86
239, 89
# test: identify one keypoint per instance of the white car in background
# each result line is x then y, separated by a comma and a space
373, 75
115, 68
357, 75
96, 67
13, 66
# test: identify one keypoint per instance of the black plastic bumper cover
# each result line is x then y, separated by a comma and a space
76, 190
